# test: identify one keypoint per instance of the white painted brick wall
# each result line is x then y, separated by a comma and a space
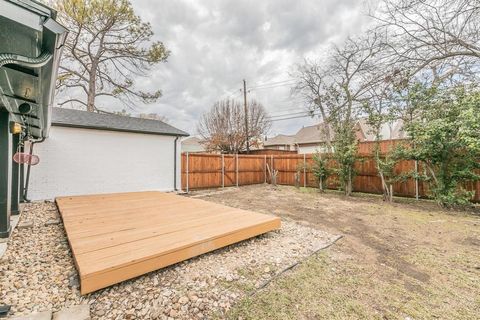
311, 149
83, 161
307, 149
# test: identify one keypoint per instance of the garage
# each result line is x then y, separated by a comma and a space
92, 153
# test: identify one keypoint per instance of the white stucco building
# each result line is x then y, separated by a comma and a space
91, 153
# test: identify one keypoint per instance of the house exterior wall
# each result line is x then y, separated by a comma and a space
280, 147
192, 148
77, 161
310, 148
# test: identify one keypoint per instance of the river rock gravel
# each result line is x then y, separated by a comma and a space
37, 273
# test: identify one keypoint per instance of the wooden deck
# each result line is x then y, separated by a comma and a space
115, 237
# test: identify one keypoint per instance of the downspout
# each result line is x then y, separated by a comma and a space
175, 163
25, 190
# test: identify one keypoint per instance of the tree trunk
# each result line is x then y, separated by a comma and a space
297, 180
349, 183
92, 82
327, 130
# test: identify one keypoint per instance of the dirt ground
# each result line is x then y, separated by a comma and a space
407, 260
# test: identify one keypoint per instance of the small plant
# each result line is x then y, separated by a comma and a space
345, 156
385, 166
273, 175
298, 173
320, 169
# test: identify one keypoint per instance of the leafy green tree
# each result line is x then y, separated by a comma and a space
347, 88
320, 169
107, 46
345, 148
445, 133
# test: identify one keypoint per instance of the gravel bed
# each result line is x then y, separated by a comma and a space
37, 273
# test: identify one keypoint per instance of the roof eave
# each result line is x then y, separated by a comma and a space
69, 125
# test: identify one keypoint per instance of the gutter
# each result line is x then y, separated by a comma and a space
175, 163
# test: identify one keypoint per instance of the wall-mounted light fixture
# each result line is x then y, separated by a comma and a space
15, 127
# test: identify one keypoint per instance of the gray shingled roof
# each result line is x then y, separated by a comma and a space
312, 134
279, 140
193, 141
90, 120
388, 131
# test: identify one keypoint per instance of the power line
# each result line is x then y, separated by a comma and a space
296, 117
290, 114
271, 87
283, 110
292, 98
230, 94
273, 83
285, 104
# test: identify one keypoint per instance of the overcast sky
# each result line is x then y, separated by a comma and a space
216, 43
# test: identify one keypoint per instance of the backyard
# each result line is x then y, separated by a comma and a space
407, 260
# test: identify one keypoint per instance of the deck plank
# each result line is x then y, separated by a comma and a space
115, 237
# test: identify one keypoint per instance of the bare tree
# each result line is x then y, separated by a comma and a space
311, 87
108, 45
223, 127
439, 37
338, 86
379, 111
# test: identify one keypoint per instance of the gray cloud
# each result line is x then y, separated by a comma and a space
215, 44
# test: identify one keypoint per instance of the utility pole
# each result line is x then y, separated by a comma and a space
246, 113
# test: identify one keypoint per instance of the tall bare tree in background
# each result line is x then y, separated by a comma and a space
222, 128
337, 86
311, 86
439, 37
107, 47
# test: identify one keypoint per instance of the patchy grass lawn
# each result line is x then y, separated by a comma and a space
407, 260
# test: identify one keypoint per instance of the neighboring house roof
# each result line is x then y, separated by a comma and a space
398, 132
192, 141
388, 131
312, 134
279, 140
316, 134
90, 120
192, 144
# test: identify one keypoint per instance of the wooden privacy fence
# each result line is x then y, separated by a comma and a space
215, 170
203, 170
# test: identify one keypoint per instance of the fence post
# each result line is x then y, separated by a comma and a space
187, 172
223, 170
236, 168
265, 169
304, 171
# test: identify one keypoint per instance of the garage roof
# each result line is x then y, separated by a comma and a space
63, 117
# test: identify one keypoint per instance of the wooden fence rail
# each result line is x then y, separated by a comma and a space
215, 170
